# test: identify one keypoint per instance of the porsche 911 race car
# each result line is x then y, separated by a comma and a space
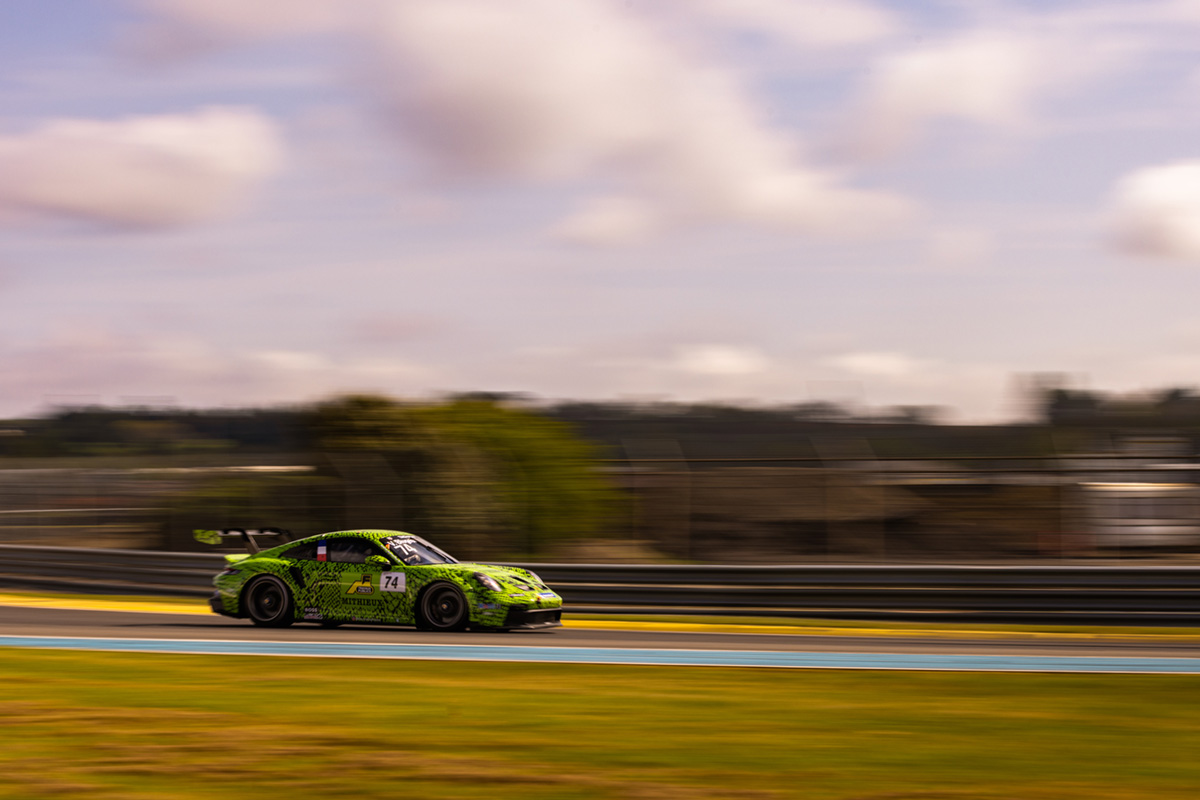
375, 576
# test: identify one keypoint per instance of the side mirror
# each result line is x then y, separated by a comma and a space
379, 561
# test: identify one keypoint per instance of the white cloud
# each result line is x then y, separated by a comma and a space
1003, 71
608, 221
807, 23
1156, 211
983, 77
1171, 11
744, 373
541, 90
184, 27
151, 171
290, 360
538, 89
720, 359
953, 248
879, 364
98, 363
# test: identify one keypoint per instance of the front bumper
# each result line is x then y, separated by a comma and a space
526, 618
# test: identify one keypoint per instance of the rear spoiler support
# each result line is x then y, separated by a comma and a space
247, 535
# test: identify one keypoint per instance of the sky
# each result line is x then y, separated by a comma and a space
226, 203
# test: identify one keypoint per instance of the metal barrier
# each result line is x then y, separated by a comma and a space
108, 571
1059, 592
1087, 593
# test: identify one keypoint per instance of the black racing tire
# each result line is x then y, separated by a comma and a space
267, 601
443, 607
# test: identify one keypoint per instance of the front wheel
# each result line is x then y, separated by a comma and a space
443, 608
269, 602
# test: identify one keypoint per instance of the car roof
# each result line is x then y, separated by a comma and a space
374, 534
366, 533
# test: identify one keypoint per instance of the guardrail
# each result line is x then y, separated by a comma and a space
1088, 593
108, 571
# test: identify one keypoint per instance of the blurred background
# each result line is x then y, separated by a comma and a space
494, 477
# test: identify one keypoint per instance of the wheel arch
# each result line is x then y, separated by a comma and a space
456, 582
259, 573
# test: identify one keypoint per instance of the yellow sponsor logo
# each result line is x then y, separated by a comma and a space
361, 586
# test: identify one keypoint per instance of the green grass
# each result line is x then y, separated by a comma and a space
109, 726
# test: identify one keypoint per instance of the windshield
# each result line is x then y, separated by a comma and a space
413, 551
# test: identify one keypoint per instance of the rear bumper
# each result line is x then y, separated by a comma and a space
217, 606
526, 618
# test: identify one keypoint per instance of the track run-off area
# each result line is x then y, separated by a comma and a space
150, 626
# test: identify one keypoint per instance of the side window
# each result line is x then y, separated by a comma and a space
302, 552
352, 551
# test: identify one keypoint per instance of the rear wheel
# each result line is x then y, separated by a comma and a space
443, 608
268, 602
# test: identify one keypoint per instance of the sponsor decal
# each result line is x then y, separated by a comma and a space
362, 586
313, 613
518, 595
486, 606
546, 594
322, 553
392, 581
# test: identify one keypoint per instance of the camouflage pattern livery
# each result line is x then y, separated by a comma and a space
378, 576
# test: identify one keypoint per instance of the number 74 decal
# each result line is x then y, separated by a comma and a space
392, 582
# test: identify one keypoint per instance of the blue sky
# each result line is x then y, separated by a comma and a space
766, 201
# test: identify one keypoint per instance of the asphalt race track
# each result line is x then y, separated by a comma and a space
159, 632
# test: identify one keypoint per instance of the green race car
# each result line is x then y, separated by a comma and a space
376, 576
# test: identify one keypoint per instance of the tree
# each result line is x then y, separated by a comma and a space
483, 477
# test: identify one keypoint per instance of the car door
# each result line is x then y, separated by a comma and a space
358, 591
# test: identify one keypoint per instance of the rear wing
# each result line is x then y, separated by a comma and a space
247, 535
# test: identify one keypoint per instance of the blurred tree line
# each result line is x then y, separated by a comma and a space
483, 477
498, 476
702, 430
1166, 408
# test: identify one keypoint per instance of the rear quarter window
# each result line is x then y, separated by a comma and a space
302, 552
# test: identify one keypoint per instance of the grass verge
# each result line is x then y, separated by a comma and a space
107, 726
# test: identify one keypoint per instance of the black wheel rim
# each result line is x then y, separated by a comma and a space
444, 609
267, 601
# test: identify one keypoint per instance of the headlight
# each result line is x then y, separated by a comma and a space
488, 582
